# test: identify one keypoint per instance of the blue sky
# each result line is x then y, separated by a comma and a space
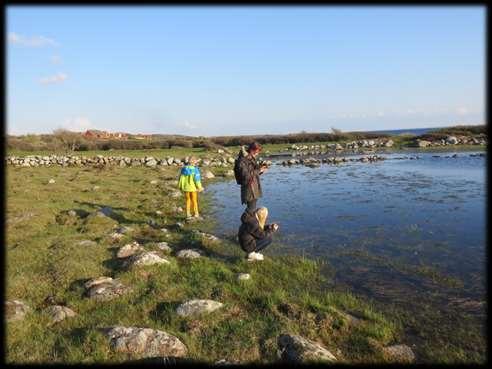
243, 70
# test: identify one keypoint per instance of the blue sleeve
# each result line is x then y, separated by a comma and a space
198, 177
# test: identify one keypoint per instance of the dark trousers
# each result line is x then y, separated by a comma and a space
264, 242
251, 205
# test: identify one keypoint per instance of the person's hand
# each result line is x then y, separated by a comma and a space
263, 169
275, 227
200, 189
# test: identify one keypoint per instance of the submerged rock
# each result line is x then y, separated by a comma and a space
299, 349
196, 306
145, 342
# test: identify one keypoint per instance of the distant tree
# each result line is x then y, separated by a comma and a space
70, 140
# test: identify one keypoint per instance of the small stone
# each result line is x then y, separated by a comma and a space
116, 236
95, 188
87, 243
164, 230
164, 246
196, 306
158, 212
154, 182
243, 276
188, 254
15, 310
399, 353
146, 258
208, 174
129, 250
299, 349
104, 288
59, 313
51, 181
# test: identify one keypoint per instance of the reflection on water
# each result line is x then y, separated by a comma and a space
401, 232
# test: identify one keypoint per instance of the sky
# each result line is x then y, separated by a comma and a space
209, 71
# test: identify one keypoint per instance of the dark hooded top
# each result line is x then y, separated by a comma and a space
250, 231
250, 171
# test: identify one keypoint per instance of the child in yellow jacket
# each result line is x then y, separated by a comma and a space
190, 183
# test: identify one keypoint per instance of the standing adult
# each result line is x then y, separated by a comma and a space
247, 172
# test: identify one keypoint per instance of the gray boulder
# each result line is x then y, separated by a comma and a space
299, 349
145, 342
196, 306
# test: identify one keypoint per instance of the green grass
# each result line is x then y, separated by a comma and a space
43, 259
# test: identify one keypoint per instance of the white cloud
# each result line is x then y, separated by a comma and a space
78, 124
56, 59
57, 78
33, 41
189, 125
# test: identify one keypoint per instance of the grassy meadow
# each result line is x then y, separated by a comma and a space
284, 295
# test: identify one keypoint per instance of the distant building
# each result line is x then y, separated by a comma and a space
94, 133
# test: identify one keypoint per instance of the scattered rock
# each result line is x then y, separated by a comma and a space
229, 173
129, 250
154, 182
197, 306
95, 188
208, 174
158, 212
451, 140
105, 211
15, 310
85, 243
298, 349
188, 254
51, 181
164, 246
104, 288
243, 276
175, 194
399, 353
58, 313
116, 236
146, 258
145, 342
423, 143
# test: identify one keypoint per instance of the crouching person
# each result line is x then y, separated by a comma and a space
254, 235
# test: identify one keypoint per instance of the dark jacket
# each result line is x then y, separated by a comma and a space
250, 171
250, 231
